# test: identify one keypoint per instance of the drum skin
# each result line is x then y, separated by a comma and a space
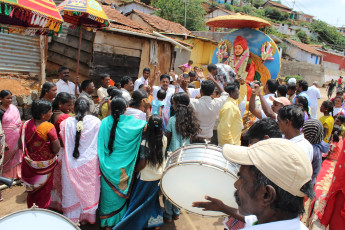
194, 171
36, 219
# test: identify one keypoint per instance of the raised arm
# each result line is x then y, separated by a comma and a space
252, 108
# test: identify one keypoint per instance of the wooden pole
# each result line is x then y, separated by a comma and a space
79, 46
43, 48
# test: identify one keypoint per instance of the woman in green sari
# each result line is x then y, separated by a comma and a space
118, 145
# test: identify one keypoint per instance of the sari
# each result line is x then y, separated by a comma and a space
2, 149
38, 162
56, 193
80, 177
117, 167
11, 124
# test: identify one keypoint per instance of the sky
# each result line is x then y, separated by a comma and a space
330, 11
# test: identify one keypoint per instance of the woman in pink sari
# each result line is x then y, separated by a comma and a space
40, 145
11, 123
62, 106
80, 166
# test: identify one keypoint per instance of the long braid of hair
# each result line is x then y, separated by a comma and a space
81, 108
116, 117
118, 106
154, 140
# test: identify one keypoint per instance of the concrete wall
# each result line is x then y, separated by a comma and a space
332, 71
309, 72
285, 29
301, 55
134, 6
215, 36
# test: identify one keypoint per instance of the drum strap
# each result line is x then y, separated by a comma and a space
106, 216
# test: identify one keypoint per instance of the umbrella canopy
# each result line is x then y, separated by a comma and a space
31, 13
85, 13
237, 21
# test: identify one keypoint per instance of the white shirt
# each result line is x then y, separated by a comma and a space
292, 224
206, 111
102, 93
126, 95
170, 92
304, 144
269, 102
137, 113
66, 87
139, 82
314, 94
193, 92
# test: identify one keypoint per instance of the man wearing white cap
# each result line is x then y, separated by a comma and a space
274, 177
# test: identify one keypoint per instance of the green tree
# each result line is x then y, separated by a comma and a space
276, 14
174, 10
303, 36
329, 35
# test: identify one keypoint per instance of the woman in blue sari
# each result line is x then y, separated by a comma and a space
118, 146
144, 210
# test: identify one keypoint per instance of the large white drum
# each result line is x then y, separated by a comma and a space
36, 219
196, 170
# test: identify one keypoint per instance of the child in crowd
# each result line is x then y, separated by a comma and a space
340, 121
338, 106
336, 144
327, 120
158, 105
181, 128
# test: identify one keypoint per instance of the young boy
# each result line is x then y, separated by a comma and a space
158, 105
340, 121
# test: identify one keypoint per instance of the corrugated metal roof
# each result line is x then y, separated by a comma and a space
20, 54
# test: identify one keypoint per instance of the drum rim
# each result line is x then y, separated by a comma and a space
35, 208
164, 193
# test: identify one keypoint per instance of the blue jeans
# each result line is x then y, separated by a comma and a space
170, 210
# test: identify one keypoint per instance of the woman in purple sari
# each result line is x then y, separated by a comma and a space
11, 123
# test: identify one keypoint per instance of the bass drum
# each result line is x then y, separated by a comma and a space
194, 171
36, 219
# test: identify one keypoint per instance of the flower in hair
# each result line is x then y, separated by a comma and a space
80, 126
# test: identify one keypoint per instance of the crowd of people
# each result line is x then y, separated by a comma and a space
78, 155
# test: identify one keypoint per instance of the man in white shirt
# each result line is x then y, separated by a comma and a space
143, 80
290, 120
207, 109
164, 84
126, 87
314, 94
64, 85
269, 90
273, 179
102, 91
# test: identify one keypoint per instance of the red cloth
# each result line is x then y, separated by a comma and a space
234, 224
334, 211
58, 122
241, 41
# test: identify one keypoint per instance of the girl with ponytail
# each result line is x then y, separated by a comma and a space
145, 194
180, 129
118, 146
80, 166
327, 120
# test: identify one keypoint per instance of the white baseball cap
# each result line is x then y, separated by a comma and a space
280, 160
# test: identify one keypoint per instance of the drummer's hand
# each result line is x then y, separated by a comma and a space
213, 205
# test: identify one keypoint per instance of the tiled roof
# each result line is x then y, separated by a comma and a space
108, 2
118, 19
138, 2
161, 24
304, 47
279, 5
